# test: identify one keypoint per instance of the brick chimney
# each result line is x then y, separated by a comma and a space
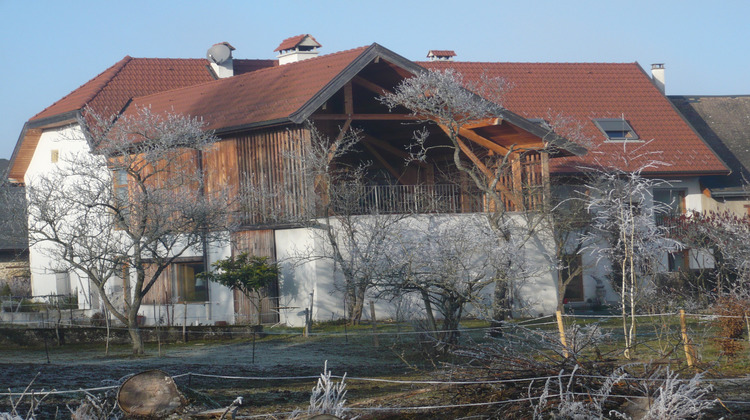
441, 55
657, 75
297, 48
220, 58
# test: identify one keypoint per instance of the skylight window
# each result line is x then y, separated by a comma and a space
616, 129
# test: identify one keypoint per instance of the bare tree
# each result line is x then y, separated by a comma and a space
570, 222
130, 207
625, 233
453, 104
351, 226
450, 263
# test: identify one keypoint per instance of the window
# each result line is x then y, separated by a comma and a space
574, 268
616, 129
678, 261
186, 286
121, 196
671, 200
62, 282
54, 156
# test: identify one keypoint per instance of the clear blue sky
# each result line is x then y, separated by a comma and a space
52, 47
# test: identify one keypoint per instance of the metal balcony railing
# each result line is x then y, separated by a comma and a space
397, 199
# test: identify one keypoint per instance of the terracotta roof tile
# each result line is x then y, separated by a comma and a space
260, 96
583, 91
292, 42
242, 66
111, 90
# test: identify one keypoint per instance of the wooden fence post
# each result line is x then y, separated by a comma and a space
688, 345
561, 327
375, 340
184, 323
306, 330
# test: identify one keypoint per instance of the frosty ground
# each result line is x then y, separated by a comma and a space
73, 367
283, 369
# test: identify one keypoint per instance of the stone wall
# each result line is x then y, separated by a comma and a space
16, 275
75, 335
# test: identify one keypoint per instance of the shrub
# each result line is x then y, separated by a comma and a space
731, 323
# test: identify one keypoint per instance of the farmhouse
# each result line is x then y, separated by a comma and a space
263, 111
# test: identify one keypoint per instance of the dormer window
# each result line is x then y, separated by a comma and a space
617, 129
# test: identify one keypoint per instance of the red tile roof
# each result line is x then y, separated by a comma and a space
263, 92
242, 66
292, 42
583, 91
264, 95
111, 90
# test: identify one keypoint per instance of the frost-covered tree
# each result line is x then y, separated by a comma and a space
727, 237
130, 207
449, 264
446, 99
625, 233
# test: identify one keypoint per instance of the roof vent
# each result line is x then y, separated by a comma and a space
441, 55
220, 57
657, 74
297, 48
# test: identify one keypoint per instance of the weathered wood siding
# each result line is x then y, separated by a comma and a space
247, 310
271, 174
161, 292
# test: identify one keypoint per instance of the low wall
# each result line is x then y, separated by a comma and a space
75, 335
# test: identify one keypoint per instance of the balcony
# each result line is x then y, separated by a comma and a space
401, 199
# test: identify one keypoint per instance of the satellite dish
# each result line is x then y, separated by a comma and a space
219, 53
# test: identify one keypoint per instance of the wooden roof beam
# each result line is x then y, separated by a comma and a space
334, 145
487, 173
372, 87
476, 138
391, 149
385, 163
483, 123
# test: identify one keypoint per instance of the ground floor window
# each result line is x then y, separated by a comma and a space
187, 286
678, 261
574, 269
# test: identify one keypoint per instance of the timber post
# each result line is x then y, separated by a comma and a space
561, 327
688, 345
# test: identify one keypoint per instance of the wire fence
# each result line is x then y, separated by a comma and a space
661, 337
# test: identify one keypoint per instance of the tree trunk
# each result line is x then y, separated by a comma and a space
499, 308
135, 338
356, 306
428, 311
454, 311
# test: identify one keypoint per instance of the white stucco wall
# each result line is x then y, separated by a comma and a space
306, 279
67, 141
